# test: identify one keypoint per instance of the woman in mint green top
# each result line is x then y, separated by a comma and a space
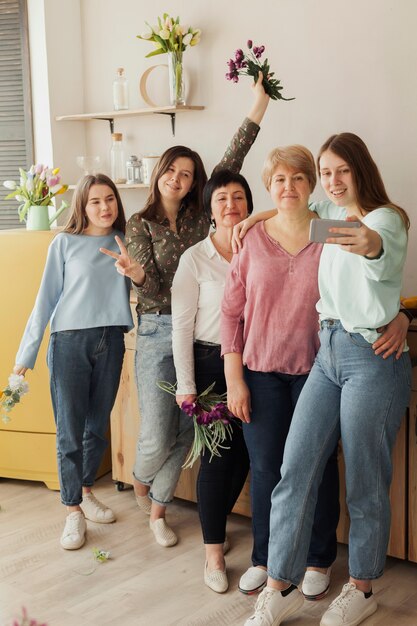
87, 305
351, 393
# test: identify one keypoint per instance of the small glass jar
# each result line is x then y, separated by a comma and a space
117, 159
120, 91
133, 170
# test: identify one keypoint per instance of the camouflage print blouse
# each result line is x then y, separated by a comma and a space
158, 248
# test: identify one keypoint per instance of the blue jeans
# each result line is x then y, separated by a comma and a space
166, 433
85, 367
362, 398
273, 400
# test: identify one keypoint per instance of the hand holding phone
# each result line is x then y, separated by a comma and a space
319, 229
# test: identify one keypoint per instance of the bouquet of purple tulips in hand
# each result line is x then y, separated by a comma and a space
212, 422
249, 64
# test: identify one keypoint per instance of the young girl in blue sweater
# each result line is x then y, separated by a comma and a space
87, 305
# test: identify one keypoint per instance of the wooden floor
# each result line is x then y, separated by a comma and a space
144, 584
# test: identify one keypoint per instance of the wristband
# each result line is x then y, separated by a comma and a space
408, 314
375, 258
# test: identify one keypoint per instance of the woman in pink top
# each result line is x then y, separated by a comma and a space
269, 333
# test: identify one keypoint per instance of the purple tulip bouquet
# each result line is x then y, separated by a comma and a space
212, 422
249, 64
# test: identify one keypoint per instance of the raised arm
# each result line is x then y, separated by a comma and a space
260, 103
245, 136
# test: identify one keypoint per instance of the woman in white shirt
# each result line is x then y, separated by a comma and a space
197, 292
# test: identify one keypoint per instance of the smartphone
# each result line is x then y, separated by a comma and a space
319, 229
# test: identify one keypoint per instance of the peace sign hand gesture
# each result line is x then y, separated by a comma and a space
125, 265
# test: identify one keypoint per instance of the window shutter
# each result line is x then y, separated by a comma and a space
16, 144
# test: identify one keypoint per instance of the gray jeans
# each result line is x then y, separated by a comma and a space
166, 433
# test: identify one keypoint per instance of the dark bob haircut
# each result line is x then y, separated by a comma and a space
221, 178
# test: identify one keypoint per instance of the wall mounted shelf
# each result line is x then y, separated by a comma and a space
110, 116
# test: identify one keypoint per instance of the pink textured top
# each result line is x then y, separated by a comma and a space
269, 307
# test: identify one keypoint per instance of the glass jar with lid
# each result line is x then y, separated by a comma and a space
133, 170
117, 159
120, 91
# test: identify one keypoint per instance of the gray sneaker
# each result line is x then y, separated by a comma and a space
73, 536
350, 608
273, 606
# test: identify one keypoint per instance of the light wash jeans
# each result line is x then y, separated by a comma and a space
85, 367
360, 397
166, 433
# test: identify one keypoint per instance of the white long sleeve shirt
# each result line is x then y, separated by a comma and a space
197, 292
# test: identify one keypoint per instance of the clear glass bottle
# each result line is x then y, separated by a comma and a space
120, 91
117, 159
133, 170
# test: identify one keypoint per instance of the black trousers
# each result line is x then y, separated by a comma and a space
220, 480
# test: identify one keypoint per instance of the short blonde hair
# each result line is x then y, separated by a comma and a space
295, 157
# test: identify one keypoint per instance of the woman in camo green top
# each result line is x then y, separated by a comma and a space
172, 221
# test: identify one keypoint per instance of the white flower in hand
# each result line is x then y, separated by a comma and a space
15, 380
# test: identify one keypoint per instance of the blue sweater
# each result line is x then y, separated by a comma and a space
80, 288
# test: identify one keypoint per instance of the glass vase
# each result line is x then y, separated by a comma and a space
175, 75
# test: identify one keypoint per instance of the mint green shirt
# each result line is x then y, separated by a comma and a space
363, 294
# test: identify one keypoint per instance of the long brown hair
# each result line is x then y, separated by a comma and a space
369, 187
193, 199
78, 221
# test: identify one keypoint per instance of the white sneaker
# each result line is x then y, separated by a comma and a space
316, 584
350, 608
75, 528
272, 606
253, 580
96, 511
164, 535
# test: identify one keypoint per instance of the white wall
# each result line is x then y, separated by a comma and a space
351, 66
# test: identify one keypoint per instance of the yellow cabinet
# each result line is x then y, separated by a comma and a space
27, 442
